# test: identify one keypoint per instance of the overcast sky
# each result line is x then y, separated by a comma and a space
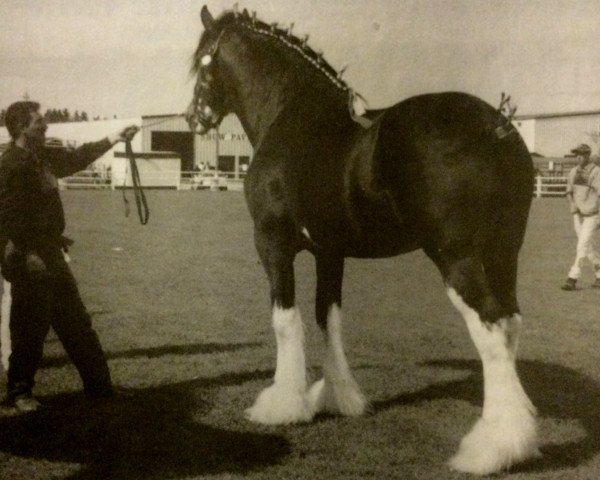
132, 57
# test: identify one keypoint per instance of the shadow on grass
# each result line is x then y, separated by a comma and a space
150, 434
153, 352
558, 392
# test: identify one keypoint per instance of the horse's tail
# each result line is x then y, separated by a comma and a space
513, 200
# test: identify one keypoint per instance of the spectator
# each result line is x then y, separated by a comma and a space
583, 190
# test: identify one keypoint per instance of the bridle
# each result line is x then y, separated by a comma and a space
199, 111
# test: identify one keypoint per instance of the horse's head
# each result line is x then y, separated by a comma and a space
207, 107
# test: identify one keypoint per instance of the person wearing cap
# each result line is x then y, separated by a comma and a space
43, 289
583, 190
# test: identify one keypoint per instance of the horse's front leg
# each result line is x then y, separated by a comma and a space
286, 400
337, 391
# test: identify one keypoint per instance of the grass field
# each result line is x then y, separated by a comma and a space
181, 307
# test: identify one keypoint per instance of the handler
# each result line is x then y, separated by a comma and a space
44, 291
583, 191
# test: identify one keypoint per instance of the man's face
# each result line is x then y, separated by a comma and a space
35, 132
582, 159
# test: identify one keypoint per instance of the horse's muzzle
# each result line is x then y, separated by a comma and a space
201, 119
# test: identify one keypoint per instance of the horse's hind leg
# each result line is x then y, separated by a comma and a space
506, 432
286, 400
337, 391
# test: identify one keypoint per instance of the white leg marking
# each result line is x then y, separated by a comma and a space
337, 391
285, 401
5, 344
506, 432
305, 233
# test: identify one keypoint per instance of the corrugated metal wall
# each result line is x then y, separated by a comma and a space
167, 123
556, 136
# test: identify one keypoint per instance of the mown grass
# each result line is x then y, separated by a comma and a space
182, 310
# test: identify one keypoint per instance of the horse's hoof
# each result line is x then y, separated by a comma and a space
494, 446
278, 406
348, 401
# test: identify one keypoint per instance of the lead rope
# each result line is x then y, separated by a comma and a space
140, 197
138, 192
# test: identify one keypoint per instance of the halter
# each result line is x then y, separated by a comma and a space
204, 114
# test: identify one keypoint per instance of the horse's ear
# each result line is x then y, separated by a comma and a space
245, 13
207, 18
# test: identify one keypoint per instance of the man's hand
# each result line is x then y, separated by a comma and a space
124, 135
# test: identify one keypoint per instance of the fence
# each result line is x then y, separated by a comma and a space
193, 180
550, 186
544, 186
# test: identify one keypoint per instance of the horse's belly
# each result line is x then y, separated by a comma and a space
378, 241
363, 232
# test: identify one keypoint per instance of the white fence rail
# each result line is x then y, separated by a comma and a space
550, 186
544, 186
192, 180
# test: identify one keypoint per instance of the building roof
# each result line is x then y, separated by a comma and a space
166, 115
558, 114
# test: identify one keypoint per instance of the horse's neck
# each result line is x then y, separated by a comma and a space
258, 103
262, 86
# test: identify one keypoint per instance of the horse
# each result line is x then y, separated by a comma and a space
443, 172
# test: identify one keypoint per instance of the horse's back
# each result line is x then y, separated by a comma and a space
456, 168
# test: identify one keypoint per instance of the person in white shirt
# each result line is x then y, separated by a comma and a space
583, 190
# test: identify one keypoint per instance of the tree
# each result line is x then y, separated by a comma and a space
84, 117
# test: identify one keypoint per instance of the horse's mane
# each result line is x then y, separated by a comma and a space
283, 36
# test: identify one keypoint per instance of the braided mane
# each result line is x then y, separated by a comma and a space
283, 36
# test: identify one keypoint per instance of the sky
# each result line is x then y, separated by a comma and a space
132, 57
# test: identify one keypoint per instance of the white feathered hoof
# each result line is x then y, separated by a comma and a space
346, 400
495, 446
5, 347
5, 356
279, 406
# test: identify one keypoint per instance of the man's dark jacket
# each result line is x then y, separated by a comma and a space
31, 211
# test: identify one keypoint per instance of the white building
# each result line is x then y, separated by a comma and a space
550, 135
228, 150
555, 134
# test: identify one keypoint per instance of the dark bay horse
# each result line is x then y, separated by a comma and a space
444, 172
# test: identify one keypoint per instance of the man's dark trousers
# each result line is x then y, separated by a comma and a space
51, 298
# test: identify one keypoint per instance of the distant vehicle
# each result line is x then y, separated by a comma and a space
207, 179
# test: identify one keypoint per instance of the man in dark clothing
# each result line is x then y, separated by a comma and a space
44, 291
